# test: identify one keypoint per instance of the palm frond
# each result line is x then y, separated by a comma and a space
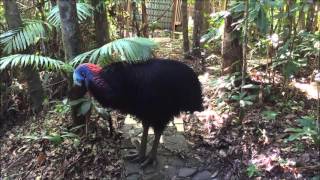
127, 49
84, 11
20, 39
37, 61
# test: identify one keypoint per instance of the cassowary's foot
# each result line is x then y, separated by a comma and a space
150, 160
135, 157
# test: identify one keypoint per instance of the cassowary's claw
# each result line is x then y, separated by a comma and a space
131, 156
150, 160
135, 157
138, 159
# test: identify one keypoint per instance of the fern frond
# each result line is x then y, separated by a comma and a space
127, 49
84, 11
20, 39
37, 61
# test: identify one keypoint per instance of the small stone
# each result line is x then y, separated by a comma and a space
290, 116
131, 168
133, 177
186, 172
204, 175
222, 153
304, 158
155, 176
215, 174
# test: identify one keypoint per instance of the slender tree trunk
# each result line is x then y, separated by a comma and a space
184, 11
71, 43
70, 28
301, 19
144, 26
278, 27
100, 22
31, 76
244, 52
310, 16
244, 45
289, 22
231, 48
198, 21
135, 24
53, 3
128, 19
208, 6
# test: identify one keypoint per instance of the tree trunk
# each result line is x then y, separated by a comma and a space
100, 22
289, 20
310, 16
35, 90
244, 47
231, 48
184, 11
208, 7
301, 19
144, 26
71, 43
135, 24
244, 59
198, 21
70, 28
53, 3
128, 18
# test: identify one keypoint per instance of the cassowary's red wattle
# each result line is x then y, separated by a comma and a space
93, 67
154, 91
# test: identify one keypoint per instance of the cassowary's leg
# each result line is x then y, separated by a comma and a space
152, 156
143, 146
140, 156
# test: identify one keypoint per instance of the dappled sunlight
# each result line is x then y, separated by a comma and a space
310, 89
266, 160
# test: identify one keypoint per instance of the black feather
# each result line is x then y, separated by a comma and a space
154, 91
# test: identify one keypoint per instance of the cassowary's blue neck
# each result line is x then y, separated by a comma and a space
95, 82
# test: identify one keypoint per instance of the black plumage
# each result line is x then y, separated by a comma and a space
154, 91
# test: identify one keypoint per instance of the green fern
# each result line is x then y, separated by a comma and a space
37, 61
127, 49
20, 39
83, 11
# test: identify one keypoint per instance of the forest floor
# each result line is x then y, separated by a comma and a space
213, 144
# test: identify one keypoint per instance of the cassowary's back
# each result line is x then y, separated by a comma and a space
155, 90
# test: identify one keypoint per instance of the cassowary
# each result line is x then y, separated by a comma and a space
154, 91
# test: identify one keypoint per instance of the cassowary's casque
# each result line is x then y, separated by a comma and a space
154, 91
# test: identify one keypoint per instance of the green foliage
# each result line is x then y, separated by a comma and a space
126, 49
309, 43
233, 93
84, 11
270, 115
54, 138
307, 130
36, 61
85, 105
257, 14
62, 107
228, 81
20, 39
129, 49
289, 60
217, 24
252, 170
244, 99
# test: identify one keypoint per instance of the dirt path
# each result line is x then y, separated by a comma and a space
175, 160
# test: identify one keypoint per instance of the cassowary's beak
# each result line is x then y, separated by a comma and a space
77, 83
76, 80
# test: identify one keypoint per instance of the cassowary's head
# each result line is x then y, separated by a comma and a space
85, 72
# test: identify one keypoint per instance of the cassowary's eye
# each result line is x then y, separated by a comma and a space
83, 74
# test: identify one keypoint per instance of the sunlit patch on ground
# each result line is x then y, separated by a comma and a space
310, 89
